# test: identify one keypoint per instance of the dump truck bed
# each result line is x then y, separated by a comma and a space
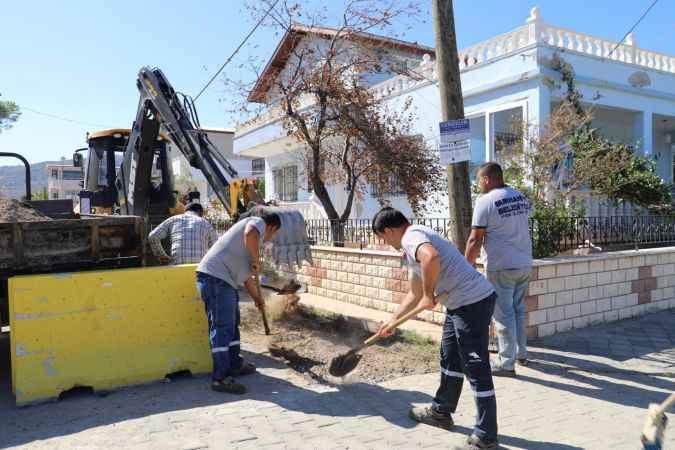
68, 245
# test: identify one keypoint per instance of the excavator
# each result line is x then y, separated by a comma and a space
105, 153
128, 170
138, 193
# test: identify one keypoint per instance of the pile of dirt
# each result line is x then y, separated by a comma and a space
307, 340
15, 211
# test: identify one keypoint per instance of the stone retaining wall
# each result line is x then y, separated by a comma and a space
564, 293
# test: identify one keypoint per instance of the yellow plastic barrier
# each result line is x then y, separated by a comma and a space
104, 329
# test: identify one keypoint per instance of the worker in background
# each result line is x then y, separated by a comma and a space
438, 267
191, 236
230, 263
501, 225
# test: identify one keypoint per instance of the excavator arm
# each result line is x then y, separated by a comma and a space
160, 106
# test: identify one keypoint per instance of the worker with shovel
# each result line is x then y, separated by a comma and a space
438, 267
227, 265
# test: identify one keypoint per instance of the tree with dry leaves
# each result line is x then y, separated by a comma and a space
346, 134
567, 154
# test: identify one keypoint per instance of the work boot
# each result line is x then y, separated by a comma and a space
229, 386
501, 372
476, 443
246, 368
429, 416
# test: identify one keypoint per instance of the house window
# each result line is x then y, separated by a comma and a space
478, 147
286, 183
74, 175
507, 133
55, 195
55, 173
258, 166
392, 186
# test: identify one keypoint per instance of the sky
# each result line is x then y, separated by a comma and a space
78, 60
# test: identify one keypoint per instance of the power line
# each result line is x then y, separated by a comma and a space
237, 49
633, 27
64, 119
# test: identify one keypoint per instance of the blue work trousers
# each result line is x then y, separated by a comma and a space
464, 352
221, 302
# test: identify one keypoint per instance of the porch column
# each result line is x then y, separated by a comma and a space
642, 131
540, 106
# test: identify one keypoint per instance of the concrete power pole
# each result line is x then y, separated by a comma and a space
447, 68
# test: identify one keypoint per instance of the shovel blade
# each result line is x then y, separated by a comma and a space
344, 364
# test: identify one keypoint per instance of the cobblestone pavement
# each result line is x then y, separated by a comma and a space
584, 389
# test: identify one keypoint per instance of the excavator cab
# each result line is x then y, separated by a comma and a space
244, 195
105, 154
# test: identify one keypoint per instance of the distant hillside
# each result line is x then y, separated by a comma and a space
12, 178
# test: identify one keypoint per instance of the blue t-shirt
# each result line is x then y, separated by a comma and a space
504, 214
462, 282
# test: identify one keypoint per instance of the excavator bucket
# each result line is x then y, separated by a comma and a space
289, 245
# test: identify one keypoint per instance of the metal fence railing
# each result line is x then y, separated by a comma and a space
358, 233
549, 236
613, 232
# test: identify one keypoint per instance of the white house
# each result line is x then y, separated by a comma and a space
631, 89
63, 181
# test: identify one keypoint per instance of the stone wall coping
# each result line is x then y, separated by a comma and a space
358, 251
601, 256
535, 263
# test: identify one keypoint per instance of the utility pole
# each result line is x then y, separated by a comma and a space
452, 104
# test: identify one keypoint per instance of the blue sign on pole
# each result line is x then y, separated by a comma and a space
455, 143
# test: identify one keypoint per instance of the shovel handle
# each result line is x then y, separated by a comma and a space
404, 318
262, 309
663, 407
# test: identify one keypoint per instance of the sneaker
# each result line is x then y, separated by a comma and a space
501, 372
246, 368
229, 386
427, 415
476, 443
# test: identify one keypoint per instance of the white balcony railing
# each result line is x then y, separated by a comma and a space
535, 31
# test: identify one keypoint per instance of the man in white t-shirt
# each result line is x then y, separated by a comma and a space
501, 225
438, 267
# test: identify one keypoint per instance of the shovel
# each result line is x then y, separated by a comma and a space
291, 287
655, 424
262, 309
345, 363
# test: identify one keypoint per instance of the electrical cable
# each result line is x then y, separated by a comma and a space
236, 50
632, 28
65, 119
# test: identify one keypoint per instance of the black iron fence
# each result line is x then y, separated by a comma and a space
552, 236
549, 236
358, 233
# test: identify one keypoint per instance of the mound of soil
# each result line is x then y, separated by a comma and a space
15, 211
307, 340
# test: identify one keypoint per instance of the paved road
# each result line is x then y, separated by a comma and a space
586, 389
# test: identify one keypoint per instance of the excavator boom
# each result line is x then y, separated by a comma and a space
160, 106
